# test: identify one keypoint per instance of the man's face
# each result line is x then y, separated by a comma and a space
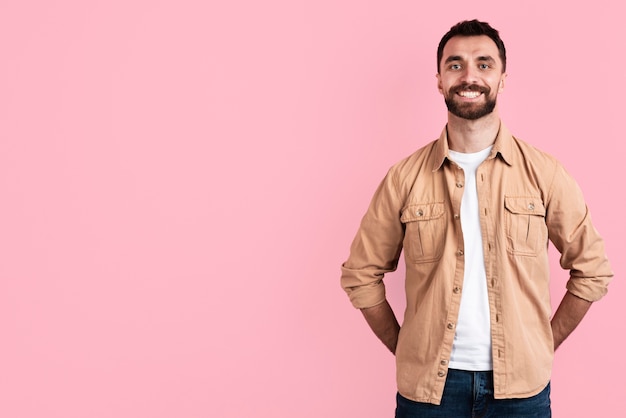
470, 76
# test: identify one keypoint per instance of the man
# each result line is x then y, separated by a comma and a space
474, 211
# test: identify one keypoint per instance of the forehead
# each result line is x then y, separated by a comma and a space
471, 46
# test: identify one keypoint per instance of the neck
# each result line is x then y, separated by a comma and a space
469, 136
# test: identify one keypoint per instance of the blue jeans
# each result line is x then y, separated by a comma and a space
470, 395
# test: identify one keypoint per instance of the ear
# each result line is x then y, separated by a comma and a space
439, 86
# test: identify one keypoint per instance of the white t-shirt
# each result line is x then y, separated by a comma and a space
471, 349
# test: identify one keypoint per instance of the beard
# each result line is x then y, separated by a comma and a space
471, 111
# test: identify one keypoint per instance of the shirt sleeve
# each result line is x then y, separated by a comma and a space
571, 231
376, 247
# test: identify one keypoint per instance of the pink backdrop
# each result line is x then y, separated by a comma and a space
180, 181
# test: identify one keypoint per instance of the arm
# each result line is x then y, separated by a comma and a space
571, 311
582, 253
383, 322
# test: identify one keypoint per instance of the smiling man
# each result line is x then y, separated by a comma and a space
474, 211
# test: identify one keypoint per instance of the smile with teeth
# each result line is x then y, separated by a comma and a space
469, 94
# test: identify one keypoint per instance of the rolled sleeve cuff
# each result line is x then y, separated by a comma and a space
588, 289
364, 292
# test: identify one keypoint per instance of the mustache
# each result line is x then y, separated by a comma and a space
470, 87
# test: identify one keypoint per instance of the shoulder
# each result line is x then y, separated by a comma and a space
533, 154
419, 160
415, 172
534, 161
545, 169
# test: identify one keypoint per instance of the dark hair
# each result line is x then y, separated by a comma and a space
472, 28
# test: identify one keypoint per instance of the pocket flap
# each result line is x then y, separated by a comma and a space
525, 205
422, 212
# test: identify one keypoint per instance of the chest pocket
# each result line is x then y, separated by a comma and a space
424, 235
525, 225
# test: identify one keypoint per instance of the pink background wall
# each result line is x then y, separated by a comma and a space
180, 181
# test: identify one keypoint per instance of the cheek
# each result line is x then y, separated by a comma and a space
499, 85
444, 86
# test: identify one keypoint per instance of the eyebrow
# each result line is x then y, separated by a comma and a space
453, 58
486, 58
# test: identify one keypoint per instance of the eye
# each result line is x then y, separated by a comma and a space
484, 66
455, 67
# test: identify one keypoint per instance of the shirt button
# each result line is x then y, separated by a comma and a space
419, 212
444, 362
459, 185
460, 252
456, 216
531, 206
441, 373
450, 325
456, 289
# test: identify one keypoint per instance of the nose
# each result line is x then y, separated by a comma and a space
469, 75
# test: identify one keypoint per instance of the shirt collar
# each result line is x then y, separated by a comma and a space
502, 146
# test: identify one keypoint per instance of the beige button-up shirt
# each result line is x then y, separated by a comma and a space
525, 199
